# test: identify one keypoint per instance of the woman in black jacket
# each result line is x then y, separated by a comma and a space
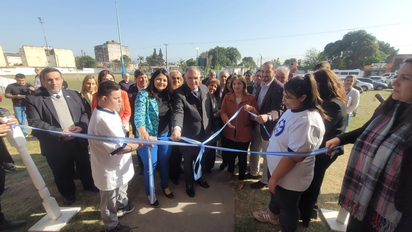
334, 103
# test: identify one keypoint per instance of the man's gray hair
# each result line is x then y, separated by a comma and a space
225, 71
284, 70
212, 71
192, 69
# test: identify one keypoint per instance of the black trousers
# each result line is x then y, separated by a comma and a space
310, 196
355, 225
231, 157
190, 155
285, 203
62, 164
210, 155
224, 142
175, 160
2, 183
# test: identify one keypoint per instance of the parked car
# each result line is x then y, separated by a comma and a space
377, 78
390, 79
365, 86
376, 85
386, 75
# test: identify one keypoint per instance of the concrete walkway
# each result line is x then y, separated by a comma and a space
211, 209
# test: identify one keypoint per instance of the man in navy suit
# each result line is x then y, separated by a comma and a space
58, 109
191, 118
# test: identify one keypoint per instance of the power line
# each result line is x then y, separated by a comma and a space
282, 36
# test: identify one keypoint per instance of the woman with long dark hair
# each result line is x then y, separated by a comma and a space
334, 103
125, 110
377, 186
300, 129
153, 111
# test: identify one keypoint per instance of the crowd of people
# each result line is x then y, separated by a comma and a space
279, 112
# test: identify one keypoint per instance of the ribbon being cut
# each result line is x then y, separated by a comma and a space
188, 142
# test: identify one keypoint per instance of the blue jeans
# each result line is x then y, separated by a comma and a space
20, 113
161, 154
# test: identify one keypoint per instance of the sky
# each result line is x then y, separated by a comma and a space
267, 28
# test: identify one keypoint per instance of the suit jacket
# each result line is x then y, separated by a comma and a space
42, 114
186, 114
272, 103
250, 87
147, 113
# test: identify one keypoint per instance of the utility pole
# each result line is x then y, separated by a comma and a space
45, 39
82, 59
260, 60
120, 40
166, 55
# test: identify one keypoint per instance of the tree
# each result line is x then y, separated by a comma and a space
288, 62
191, 62
312, 57
160, 59
182, 64
356, 49
127, 60
233, 55
276, 61
151, 61
248, 62
85, 62
140, 59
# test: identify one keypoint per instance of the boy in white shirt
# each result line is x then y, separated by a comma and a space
112, 166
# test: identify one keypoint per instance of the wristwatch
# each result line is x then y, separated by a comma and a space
270, 118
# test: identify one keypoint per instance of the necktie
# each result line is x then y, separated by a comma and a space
57, 96
195, 94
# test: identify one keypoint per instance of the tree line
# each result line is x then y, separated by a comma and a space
353, 51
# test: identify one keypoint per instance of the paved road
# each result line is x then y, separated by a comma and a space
211, 209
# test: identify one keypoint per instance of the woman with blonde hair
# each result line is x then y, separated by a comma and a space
89, 87
176, 78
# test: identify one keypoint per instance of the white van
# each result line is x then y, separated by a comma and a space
344, 73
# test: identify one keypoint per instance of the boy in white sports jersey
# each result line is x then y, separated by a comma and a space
111, 162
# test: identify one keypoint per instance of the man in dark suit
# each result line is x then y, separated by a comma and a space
269, 98
191, 118
211, 75
61, 110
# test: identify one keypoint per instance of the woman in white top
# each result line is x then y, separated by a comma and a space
300, 129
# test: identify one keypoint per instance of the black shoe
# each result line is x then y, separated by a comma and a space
155, 204
174, 181
69, 200
9, 167
170, 195
258, 185
120, 228
222, 166
189, 190
250, 176
209, 170
8, 225
203, 183
125, 210
305, 223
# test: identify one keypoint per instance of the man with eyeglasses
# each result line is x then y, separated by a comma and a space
269, 98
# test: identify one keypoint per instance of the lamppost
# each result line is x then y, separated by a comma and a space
82, 59
260, 60
47, 46
197, 56
166, 55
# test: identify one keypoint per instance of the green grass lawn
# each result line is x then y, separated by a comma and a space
22, 201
